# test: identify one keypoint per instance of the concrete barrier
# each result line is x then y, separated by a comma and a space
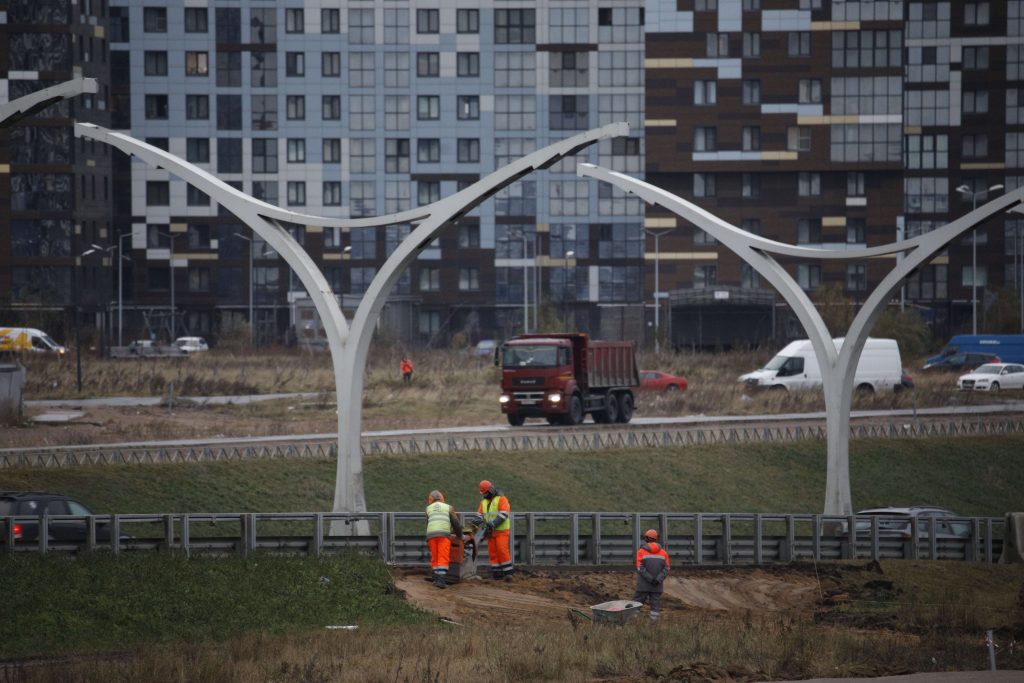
1013, 539
12, 381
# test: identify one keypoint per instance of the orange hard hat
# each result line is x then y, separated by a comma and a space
485, 486
435, 495
651, 534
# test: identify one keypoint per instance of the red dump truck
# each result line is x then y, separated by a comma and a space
562, 377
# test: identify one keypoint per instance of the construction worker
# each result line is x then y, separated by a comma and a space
497, 514
652, 567
441, 524
406, 367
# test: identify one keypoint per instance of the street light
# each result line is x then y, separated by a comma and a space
252, 320
121, 258
565, 288
966, 192
170, 238
657, 284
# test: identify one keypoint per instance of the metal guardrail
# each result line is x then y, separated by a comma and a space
583, 439
540, 538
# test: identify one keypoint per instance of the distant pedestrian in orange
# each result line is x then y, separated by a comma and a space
497, 514
406, 366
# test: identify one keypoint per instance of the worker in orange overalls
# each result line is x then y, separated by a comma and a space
441, 524
497, 514
406, 367
652, 566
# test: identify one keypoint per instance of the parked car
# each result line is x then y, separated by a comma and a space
37, 503
961, 361
796, 368
141, 347
895, 522
191, 344
1009, 347
993, 377
485, 347
656, 380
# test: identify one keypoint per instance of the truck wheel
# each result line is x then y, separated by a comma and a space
554, 419
515, 419
626, 407
575, 414
600, 417
611, 408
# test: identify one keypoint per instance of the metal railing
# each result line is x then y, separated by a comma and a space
587, 438
540, 538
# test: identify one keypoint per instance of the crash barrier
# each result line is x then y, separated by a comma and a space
540, 538
587, 438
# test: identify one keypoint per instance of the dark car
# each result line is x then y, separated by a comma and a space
36, 503
960, 361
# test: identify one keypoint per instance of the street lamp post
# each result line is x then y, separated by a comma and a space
966, 192
657, 284
252, 320
120, 287
170, 238
565, 289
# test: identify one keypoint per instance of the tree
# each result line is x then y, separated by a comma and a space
1003, 316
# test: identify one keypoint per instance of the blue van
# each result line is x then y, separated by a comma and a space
1008, 347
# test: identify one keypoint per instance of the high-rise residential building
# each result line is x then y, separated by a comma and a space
54, 190
830, 124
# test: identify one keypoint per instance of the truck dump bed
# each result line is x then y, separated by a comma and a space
611, 364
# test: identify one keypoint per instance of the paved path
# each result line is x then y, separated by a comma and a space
130, 401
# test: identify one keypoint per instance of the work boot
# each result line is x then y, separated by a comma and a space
497, 574
439, 581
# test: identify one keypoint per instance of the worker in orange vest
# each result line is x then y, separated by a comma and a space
652, 566
497, 514
406, 366
442, 523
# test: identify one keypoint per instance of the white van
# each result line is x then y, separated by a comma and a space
796, 367
29, 340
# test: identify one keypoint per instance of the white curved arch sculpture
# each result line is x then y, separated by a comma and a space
837, 367
22, 107
349, 346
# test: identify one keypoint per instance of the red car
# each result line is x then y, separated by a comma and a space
656, 380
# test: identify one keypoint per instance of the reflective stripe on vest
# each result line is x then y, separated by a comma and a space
491, 512
438, 519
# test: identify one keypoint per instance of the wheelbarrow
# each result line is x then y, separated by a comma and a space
615, 611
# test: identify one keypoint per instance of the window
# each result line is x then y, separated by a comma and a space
856, 277
751, 44
198, 279
364, 243
705, 92
197, 150
926, 151
969, 279
155, 63
229, 69
704, 185
397, 197
976, 13
751, 91
867, 95
428, 150
570, 69
361, 69
751, 138
569, 112
264, 155
295, 63
430, 279
331, 151
396, 155
330, 21
156, 106
428, 21
362, 153
228, 25
264, 112
294, 20
154, 19
158, 193
296, 193
467, 107
396, 112
926, 195
751, 5
265, 191
229, 155
976, 102
798, 44
749, 279
798, 138
229, 112
263, 25
705, 5
196, 64
616, 68
396, 26
705, 276
468, 64
360, 26
620, 25
428, 107
705, 139
428, 192
569, 198
877, 49
330, 107
808, 231
264, 69
808, 276
197, 107
717, 44
975, 57
467, 21
855, 230
515, 112
929, 282
514, 26
810, 91
752, 225
396, 69
428, 64
619, 283
469, 279
468, 150
1014, 106
296, 107
330, 64
296, 150
751, 186
809, 184
196, 20
855, 183
515, 69
927, 108
566, 237
975, 146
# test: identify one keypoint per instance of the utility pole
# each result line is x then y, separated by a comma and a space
252, 319
566, 290
967, 192
657, 234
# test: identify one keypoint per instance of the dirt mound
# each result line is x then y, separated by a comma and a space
552, 593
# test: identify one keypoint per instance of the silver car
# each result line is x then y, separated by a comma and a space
895, 522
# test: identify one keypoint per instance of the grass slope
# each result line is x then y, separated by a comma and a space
100, 602
974, 476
